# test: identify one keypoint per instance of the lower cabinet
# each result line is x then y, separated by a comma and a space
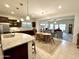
18, 52
78, 40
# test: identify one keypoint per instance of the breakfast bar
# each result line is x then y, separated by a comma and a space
18, 46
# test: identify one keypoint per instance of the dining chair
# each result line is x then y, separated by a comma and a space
51, 38
37, 37
33, 42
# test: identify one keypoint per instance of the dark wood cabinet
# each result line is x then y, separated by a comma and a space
33, 24
4, 19
18, 52
30, 32
78, 40
14, 23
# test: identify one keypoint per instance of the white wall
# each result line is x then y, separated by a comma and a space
76, 27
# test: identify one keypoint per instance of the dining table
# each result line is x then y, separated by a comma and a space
42, 36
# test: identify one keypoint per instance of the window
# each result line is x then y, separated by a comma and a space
44, 25
56, 26
51, 26
62, 27
27, 25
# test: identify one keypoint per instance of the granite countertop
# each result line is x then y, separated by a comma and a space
43, 33
18, 39
18, 29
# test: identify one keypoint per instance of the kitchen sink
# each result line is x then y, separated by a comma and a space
8, 35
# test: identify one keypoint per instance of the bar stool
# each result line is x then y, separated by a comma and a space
33, 47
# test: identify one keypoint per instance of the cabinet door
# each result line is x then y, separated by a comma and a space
14, 23
4, 19
33, 24
19, 52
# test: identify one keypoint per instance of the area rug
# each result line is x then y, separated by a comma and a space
47, 47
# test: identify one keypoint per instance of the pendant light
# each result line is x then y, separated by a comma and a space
27, 17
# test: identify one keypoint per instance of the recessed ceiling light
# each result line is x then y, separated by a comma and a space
22, 19
21, 4
12, 12
17, 8
6, 5
59, 6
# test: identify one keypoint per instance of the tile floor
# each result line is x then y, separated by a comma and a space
67, 37
67, 50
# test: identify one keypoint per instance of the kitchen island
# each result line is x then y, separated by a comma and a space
18, 46
22, 30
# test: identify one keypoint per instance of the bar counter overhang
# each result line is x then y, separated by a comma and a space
19, 46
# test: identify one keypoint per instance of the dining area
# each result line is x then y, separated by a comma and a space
44, 37
46, 42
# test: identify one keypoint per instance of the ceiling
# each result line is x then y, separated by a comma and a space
38, 8
62, 18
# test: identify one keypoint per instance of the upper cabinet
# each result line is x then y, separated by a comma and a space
4, 19
14, 23
33, 24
